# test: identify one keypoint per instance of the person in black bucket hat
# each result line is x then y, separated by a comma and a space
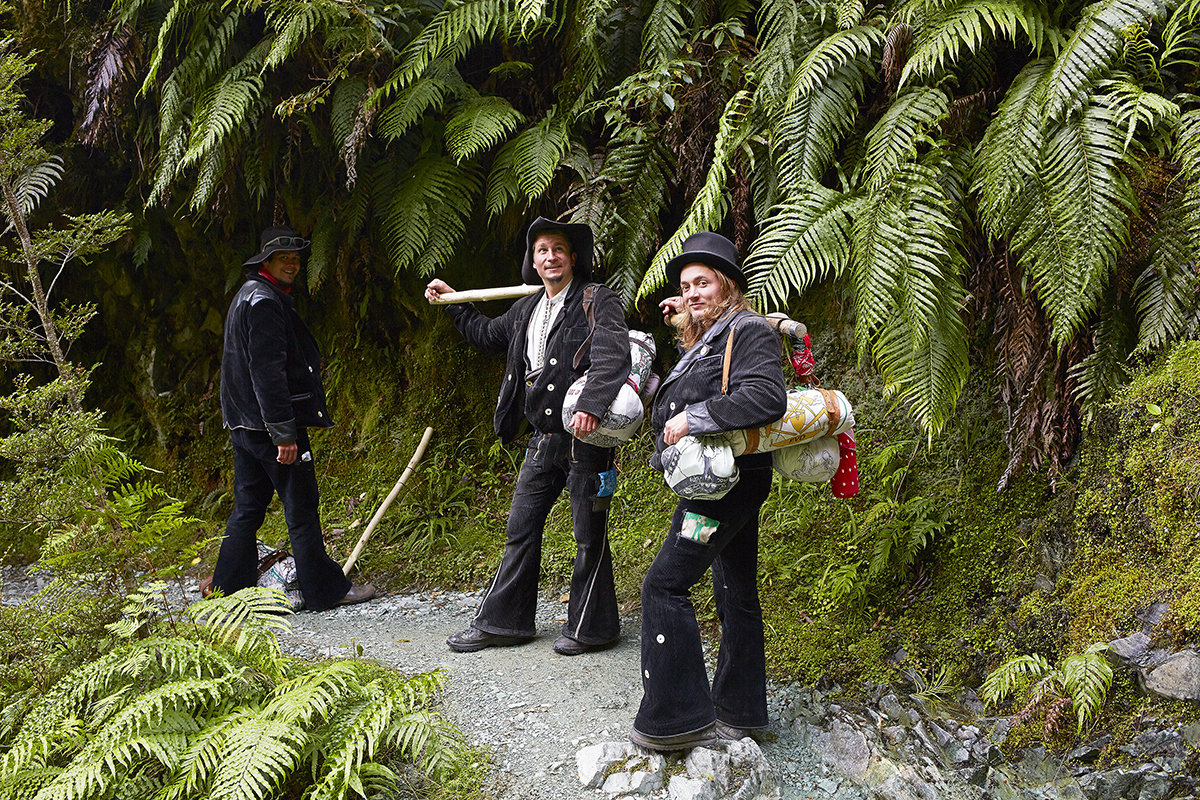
542, 334
271, 393
705, 396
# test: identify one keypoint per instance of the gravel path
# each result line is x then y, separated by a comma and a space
533, 708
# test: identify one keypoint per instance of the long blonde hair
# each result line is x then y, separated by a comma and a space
689, 329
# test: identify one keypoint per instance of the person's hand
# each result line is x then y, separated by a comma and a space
436, 288
671, 306
676, 428
583, 424
287, 453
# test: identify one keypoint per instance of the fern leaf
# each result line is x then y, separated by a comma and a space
255, 759
441, 83
296, 21
1133, 107
537, 153
1087, 677
856, 45
1168, 289
807, 134
901, 129
1001, 681
1007, 157
479, 124
448, 34
806, 239
425, 215
1181, 38
1092, 50
663, 32
1075, 218
971, 25
712, 201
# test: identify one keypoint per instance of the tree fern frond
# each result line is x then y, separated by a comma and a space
448, 34
537, 152
323, 253
479, 124
850, 13
1133, 107
805, 138
425, 216
806, 239
1075, 218
712, 201
844, 47
1091, 51
441, 83
902, 129
1007, 157
970, 25
502, 186
663, 32
297, 20
638, 174
1168, 289
220, 112
1102, 372
1181, 38
312, 695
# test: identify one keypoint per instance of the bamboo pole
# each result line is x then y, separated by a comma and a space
498, 293
362, 542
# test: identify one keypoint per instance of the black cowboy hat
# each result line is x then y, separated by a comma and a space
579, 234
275, 240
710, 249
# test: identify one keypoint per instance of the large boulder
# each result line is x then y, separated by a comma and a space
1177, 678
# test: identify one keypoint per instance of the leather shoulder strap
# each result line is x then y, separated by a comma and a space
589, 311
728, 356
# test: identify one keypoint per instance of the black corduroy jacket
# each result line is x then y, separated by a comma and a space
757, 393
270, 365
538, 399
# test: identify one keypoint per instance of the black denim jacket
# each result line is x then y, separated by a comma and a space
757, 393
270, 367
538, 399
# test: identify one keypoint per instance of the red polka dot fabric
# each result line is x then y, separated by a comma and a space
844, 482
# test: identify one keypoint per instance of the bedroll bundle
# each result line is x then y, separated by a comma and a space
620, 422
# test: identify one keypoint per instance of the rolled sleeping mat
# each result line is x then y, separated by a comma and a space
811, 414
700, 467
814, 461
620, 422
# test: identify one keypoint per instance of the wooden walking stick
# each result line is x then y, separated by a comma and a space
362, 542
498, 293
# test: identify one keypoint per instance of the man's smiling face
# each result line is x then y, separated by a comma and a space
283, 266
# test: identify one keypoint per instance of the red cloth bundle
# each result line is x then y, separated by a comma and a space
844, 482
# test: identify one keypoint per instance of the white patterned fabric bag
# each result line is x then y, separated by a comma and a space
277, 570
622, 419
700, 467
814, 461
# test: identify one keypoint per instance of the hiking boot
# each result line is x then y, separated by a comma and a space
358, 593
732, 733
705, 737
473, 639
566, 646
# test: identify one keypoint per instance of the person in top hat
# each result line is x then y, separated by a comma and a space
271, 393
679, 708
542, 334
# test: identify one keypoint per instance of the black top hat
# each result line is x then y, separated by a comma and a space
710, 249
578, 233
274, 240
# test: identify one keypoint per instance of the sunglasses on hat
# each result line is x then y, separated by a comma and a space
287, 243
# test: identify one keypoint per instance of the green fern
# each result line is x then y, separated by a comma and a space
663, 33
856, 45
447, 35
902, 129
1133, 108
806, 239
1181, 38
712, 201
425, 215
970, 25
1083, 678
480, 124
296, 21
1093, 48
537, 153
808, 131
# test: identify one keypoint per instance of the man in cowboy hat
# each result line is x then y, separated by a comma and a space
271, 393
543, 334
